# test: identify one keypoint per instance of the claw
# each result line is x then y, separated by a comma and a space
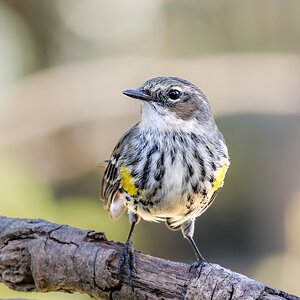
198, 265
128, 258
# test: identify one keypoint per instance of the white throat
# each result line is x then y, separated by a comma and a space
155, 118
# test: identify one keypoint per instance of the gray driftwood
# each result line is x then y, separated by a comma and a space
36, 255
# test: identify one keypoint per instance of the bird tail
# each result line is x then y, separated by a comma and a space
103, 164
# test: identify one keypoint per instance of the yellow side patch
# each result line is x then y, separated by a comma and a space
127, 181
219, 180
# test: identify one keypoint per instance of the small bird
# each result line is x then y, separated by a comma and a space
169, 166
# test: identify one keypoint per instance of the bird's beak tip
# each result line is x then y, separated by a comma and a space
127, 92
137, 94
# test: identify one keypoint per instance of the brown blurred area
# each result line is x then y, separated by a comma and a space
64, 65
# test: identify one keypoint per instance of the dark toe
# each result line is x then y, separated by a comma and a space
198, 266
127, 258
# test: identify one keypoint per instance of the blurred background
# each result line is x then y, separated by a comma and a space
63, 67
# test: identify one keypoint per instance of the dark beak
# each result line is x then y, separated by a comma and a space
138, 94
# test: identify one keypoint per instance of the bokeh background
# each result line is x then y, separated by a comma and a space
63, 67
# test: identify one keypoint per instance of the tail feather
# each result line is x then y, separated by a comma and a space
103, 164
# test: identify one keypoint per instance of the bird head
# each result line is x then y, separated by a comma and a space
172, 101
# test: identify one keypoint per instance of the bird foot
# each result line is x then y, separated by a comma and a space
127, 258
198, 266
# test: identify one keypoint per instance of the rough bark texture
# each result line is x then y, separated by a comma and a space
36, 255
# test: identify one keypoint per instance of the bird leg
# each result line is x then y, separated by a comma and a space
127, 257
198, 265
188, 232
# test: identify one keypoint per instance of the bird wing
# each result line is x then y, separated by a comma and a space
113, 179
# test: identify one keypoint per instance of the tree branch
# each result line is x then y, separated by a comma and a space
36, 255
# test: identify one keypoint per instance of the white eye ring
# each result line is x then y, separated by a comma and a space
174, 94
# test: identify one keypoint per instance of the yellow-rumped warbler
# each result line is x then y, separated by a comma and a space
169, 166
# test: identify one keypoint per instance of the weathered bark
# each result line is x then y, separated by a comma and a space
36, 255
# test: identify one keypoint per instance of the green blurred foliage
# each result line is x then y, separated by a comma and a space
23, 195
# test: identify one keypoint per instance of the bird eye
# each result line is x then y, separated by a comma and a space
174, 94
